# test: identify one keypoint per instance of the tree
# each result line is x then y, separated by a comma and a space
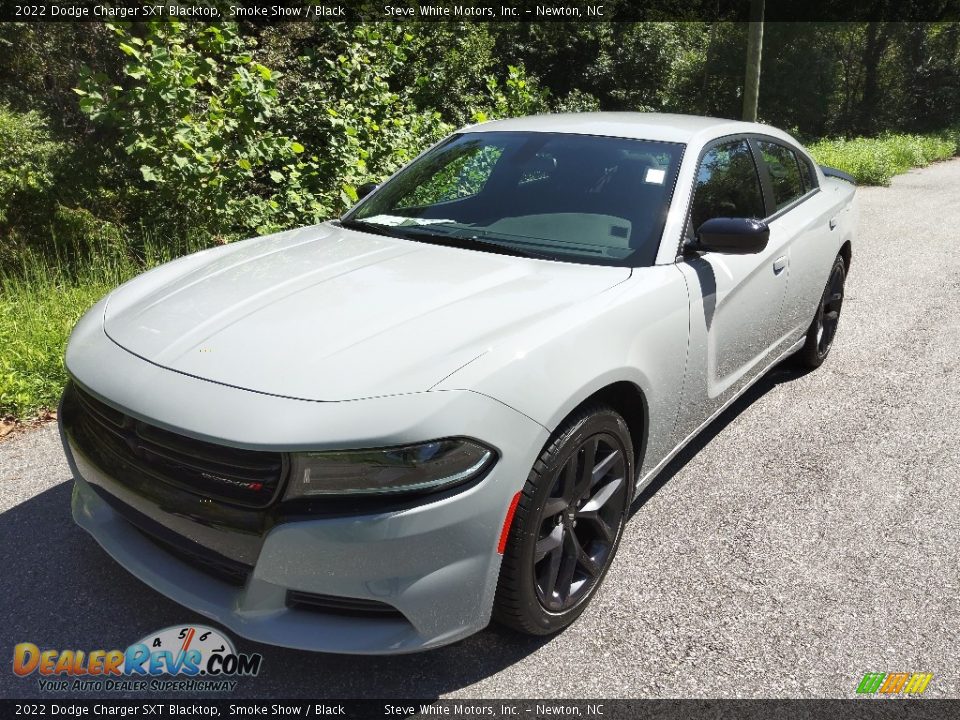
751, 89
878, 35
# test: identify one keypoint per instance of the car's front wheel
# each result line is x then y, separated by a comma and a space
824, 327
567, 524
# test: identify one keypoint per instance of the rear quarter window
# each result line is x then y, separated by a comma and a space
807, 173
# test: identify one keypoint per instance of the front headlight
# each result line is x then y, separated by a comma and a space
411, 468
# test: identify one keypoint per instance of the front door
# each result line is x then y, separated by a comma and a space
735, 300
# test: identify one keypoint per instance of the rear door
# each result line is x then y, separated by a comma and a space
800, 223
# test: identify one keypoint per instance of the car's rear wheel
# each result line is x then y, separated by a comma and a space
823, 329
567, 524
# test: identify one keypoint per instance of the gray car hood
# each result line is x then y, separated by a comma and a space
325, 313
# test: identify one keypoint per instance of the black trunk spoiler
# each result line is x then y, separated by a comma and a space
833, 172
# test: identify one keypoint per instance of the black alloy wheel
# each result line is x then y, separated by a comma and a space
579, 522
824, 327
568, 523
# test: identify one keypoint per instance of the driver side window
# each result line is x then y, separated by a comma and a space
727, 186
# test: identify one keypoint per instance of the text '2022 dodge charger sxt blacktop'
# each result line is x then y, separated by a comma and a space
375, 434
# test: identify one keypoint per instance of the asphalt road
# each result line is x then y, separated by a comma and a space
808, 537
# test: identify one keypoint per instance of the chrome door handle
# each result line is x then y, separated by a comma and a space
779, 264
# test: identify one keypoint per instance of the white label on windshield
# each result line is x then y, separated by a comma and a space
396, 220
655, 176
388, 220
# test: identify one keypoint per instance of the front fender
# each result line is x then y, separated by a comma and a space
637, 332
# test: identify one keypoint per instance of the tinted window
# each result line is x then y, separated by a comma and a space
784, 172
465, 175
807, 173
565, 196
727, 185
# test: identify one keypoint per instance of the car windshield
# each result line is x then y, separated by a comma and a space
577, 198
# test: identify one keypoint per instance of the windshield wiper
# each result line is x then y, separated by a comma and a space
471, 242
442, 238
369, 227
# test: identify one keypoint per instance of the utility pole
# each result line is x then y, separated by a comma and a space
751, 85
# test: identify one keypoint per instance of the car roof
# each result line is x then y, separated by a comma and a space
664, 127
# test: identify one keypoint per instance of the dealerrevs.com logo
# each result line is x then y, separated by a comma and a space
200, 659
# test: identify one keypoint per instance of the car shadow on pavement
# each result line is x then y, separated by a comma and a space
787, 371
60, 590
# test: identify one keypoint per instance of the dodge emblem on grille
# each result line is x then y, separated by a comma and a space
253, 485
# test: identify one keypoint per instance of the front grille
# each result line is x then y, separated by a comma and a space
340, 605
220, 567
248, 478
187, 551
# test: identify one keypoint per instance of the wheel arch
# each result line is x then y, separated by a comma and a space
846, 252
628, 399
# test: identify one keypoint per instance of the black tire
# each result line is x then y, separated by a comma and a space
565, 513
823, 329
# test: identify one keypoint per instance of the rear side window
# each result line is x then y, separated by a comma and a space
806, 172
727, 185
784, 167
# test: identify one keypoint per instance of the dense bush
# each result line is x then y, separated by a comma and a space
194, 114
28, 158
519, 95
952, 136
343, 107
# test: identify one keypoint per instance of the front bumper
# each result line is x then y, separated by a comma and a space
436, 563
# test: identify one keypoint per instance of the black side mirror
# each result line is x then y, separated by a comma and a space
735, 236
366, 189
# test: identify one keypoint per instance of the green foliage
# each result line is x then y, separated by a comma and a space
79, 237
917, 150
519, 95
654, 64
447, 68
194, 113
39, 195
40, 64
874, 161
39, 305
343, 106
28, 156
951, 135
577, 101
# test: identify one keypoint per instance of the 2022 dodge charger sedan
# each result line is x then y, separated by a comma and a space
374, 434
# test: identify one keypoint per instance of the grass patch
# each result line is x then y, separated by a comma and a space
41, 300
874, 161
35, 321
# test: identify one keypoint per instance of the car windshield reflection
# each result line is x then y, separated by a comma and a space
574, 197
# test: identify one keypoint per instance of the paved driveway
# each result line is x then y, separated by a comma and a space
809, 536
